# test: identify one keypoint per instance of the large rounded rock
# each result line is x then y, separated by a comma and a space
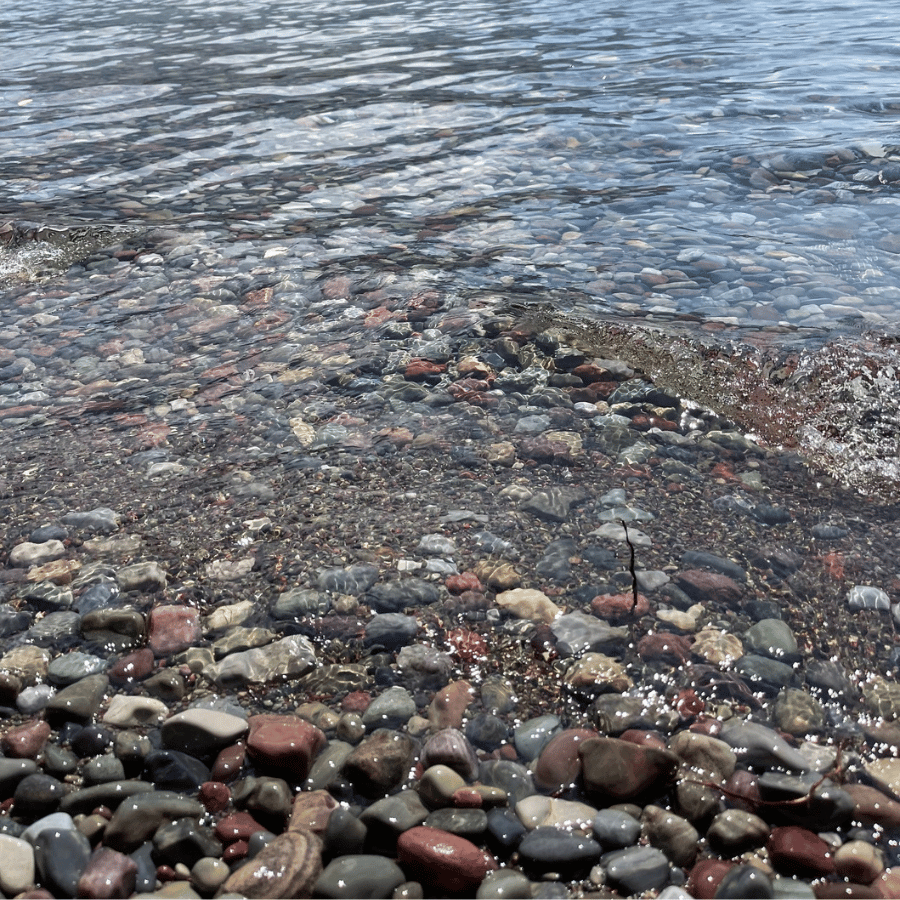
286, 745
381, 762
288, 866
364, 877
559, 763
443, 861
617, 771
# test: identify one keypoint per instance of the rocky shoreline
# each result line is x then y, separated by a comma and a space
480, 615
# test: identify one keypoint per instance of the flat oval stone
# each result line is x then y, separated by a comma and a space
559, 763
798, 851
568, 815
17, 871
392, 709
734, 831
443, 860
30, 554
202, 732
634, 870
569, 854
138, 817
615, 771
78, 702
615, 829
61, 857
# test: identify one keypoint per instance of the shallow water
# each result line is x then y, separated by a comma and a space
628, 162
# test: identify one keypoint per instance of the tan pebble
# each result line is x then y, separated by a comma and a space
527, 603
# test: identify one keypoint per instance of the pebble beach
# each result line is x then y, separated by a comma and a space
445, 605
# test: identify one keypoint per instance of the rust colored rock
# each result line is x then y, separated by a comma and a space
133, 667
424, 370
449, 704
469, 646
616, 607
443, 861
381, 762
671, 648
172, 629
108, 874
559, 764
238, 826
706, 587
706, 876
616, 771
467, 581
25, 741
356, 702
467, 798
312, 811
214, 796
229, 762
284, 744
798, 851
743, 791
287, 866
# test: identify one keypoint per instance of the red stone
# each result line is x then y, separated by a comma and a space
237, 827
798, 851
25, 741
284, 743
591, 372
467, 581
173, 629
743, 791
704, 586
469, 646
214, 796
467, 798
420, 369
614, 607
449, 704
133, 667
229, 762
237, 850
673, 648
356, 702
643, 738
559, 764
442, 860
873, 807
834, 890
706, 876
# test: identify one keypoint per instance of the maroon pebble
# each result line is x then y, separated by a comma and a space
559, 764
467, 798
467, 581
706, 876
229, 762
709, 586
643, 738
214, 796
834, 890
443, 860
356, 702
286, 744
25, 741
665, 646
237, 850
108, 874
743, 791
614, 607
173, 629
133, 667
237, 827
798, 851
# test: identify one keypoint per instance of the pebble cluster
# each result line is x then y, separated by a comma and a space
461, 611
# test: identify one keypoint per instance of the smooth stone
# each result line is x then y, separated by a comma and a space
284, 744
55, 821
504, 884
185, 842
288, 866
18, 867
30, 663
559, 764
60, 857
800, 852
386, 819
103, 769
745, 883
78, 702
171, 629
29, 554
797, 713
290, 657
533, 735
354, 580
511, 777
450, 704
636, 869
139, 816
147, 577
577, 632
396, 596
109, 793
25, 741
202, 732
735, 831
108, 874
442, 860
101, 520
704, 752
390, 630
528, 603
672, 834
758, 745
467, 823
826, 808
300, 602
858, 861
37, 795
569, 855
504, 830
449, 747
772, 637
873, 807
72, 667
569, 815
595, 673
134, 711
392, 709
32, 700
381, 762
615, 829
209, 874
615, 770
361, 876
764, 674
864, 596
438, 784
264, 796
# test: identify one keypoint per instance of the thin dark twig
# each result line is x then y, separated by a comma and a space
634, 582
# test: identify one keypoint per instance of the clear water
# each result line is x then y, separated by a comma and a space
706, 162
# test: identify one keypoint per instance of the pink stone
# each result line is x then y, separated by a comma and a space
356, 702
284, 743
643, 738
614, 607
888, 885
559, 764
874, 807
673, 648
467, 581
442, 860
312, 811
214, 796
133, 667
467, 798
108, 874
449, 704
419, 369
798, 851
25, 741
173, 629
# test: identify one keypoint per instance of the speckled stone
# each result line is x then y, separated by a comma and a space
797, 713
528, 603
717, 647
